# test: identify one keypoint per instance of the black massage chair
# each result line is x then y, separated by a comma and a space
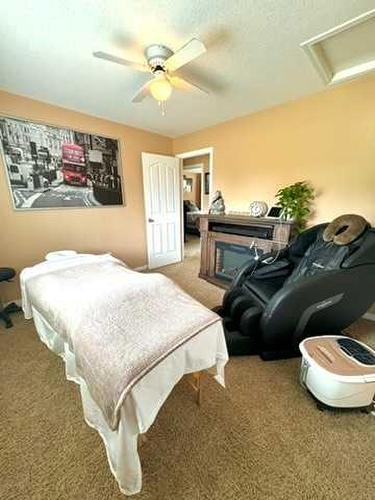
320, 284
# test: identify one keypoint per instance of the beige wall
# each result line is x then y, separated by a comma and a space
327, 139
27, 236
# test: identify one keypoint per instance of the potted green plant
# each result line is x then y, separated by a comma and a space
295, 201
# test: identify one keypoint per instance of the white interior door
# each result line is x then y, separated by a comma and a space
162, 193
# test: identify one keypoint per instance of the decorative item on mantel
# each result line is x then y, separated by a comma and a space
217, 204
258, 208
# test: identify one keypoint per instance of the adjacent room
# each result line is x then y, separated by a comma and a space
196, 168
187, 250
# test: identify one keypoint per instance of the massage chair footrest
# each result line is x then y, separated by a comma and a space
242, 345
285, 353
238, 344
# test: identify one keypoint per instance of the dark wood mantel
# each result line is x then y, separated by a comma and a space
264, 234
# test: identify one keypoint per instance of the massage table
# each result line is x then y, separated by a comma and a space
137, 410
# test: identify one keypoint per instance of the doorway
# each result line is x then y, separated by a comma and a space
196, 181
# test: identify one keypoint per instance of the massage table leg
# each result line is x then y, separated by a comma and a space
197, 386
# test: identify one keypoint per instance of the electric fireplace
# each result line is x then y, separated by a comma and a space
230, 257
228, 241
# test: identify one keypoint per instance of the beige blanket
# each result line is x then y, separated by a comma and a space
119, 323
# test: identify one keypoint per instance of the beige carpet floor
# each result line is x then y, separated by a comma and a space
261, 438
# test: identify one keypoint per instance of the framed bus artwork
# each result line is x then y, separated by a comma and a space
53, 167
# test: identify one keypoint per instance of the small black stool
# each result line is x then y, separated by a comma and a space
7, 274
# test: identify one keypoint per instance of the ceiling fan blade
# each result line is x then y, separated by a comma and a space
185, 54
120, 60
182, 84
142, 92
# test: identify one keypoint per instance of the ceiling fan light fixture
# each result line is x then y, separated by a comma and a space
162, 62
160, 88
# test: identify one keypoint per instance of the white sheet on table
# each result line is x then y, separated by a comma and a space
139, 410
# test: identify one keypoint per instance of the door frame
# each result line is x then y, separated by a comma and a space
191, 154
198, 152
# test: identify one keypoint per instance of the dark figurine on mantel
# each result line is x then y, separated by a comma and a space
217, 204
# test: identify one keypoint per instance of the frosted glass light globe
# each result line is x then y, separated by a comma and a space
160, 89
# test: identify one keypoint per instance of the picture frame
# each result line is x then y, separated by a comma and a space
56, 167
188, 184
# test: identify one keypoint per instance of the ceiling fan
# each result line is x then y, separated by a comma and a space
162, 62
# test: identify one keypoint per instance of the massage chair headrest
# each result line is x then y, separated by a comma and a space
345, 229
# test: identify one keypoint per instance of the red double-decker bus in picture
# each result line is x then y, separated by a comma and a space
74, 167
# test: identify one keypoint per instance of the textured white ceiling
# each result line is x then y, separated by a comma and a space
253, 61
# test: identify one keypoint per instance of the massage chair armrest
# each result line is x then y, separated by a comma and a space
249, 266
350, 291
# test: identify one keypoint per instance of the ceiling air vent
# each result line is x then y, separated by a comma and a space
346, 51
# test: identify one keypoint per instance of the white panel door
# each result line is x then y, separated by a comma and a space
162, 193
